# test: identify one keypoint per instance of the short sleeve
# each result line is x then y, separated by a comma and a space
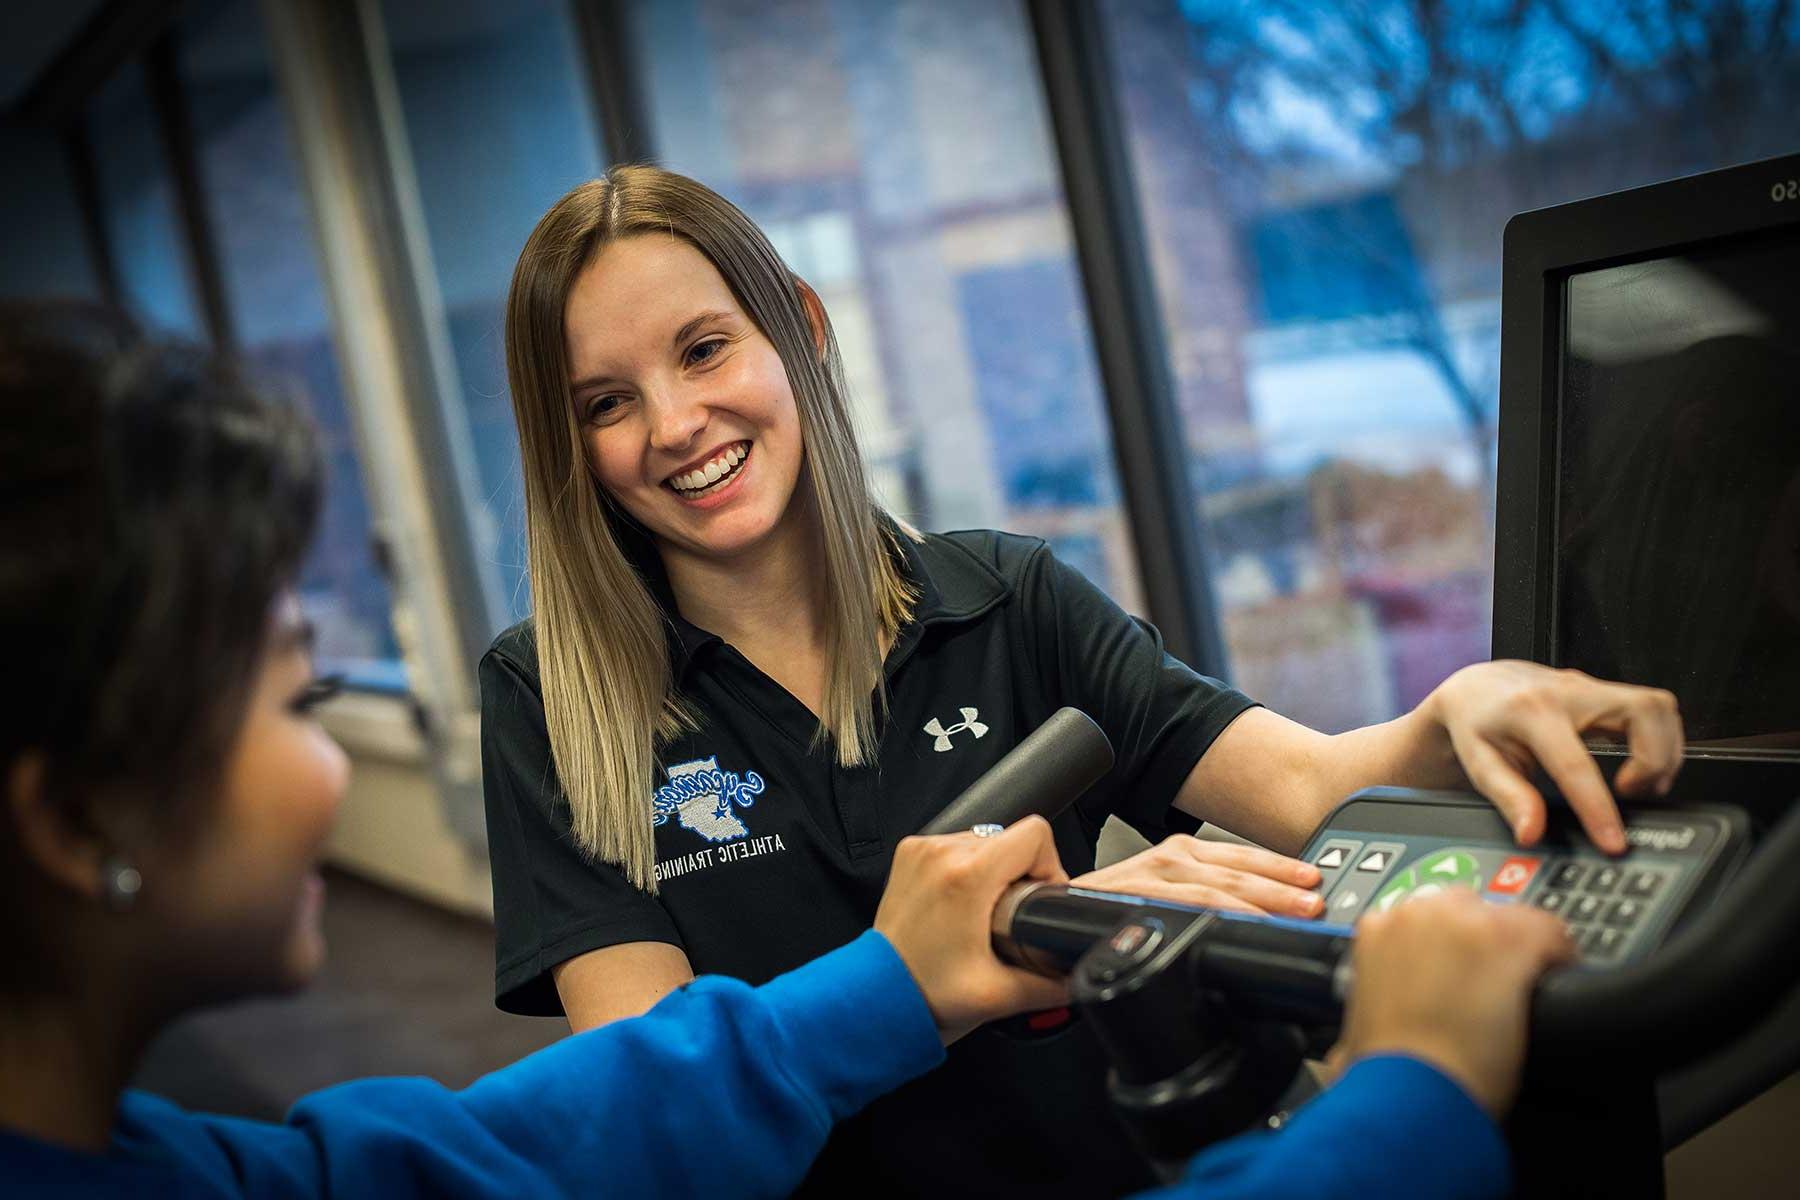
551, 901
1160, 714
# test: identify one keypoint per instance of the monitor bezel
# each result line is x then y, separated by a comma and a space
1541, 250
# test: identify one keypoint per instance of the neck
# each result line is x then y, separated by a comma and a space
65, 1059
775, 593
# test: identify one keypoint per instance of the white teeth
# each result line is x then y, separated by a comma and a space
712, 472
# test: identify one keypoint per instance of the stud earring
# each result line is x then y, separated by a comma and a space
120, 883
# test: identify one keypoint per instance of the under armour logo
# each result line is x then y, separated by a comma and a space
936, 728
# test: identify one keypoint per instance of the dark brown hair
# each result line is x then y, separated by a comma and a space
153, 503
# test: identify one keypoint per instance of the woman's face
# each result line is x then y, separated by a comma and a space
684, 405
238, 898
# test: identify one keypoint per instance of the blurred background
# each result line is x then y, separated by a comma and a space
1206, 293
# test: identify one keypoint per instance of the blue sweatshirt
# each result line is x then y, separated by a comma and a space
720, 1090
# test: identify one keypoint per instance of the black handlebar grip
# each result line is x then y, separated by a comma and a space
1047, 927
1043, 774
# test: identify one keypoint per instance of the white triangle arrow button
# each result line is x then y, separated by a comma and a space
1374, 862
1331, 860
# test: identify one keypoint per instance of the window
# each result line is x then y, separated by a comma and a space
1324, 188
898, 155
137, 204
256, 206
499, 126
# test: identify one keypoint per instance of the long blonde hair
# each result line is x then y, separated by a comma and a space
609, 695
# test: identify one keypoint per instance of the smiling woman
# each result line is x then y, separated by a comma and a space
670, 438
720, 598
651, 331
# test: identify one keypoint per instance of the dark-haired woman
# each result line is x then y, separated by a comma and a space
167, 794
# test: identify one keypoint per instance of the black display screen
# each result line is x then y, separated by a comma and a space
1678, 522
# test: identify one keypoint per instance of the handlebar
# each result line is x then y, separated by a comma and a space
1044, 774
1724, 968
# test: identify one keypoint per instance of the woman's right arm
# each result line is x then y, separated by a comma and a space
607, 985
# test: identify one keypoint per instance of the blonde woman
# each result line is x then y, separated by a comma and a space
744, 683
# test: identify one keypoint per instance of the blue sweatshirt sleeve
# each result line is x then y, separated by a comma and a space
720, 1090
1392, 1126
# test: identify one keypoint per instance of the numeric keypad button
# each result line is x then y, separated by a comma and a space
1624, 913
1566, 874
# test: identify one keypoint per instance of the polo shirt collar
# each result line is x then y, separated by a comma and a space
953, 586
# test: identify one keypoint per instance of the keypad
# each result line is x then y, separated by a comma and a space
1608, 906
1602, 903
1615, 909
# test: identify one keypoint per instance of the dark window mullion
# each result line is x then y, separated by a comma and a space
603, 28
78, 146
1160, 501
175, 128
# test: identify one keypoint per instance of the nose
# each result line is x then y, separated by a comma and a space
675, 420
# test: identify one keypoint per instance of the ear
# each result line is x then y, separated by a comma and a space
815, 314
66, 853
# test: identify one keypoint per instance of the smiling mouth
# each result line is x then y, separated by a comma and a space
720, 470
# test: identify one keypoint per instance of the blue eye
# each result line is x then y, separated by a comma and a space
712, 347
603, 406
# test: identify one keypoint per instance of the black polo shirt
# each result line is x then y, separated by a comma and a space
769, 854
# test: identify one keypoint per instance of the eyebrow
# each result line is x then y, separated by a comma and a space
681, 335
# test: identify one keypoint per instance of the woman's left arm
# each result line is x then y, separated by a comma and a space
1487, 726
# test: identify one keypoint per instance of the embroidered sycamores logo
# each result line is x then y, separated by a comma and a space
701, 797
936, 728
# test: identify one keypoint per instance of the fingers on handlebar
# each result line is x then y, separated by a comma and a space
1024, 850
1027, 849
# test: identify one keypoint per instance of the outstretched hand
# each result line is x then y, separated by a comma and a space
938, 911
1448, 979
1504, 717
1188, 870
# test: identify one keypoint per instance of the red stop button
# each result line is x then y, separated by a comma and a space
1513, 875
